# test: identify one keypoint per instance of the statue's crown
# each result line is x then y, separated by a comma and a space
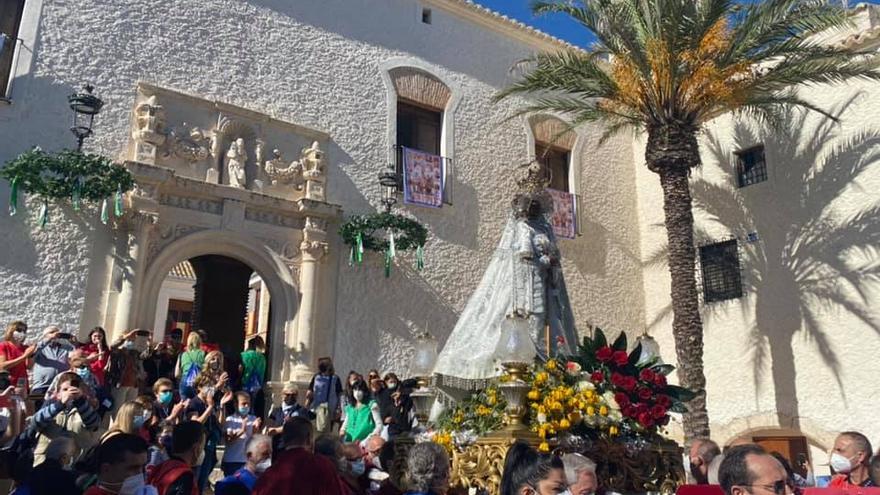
534, 179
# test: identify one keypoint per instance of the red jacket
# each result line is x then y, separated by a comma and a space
167, 473
300, 472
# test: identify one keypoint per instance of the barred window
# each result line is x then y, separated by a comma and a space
751, 167
721, 273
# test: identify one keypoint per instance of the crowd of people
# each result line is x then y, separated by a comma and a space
136, 417
179, 409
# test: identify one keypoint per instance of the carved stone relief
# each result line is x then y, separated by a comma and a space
272, 218
165, 235
189, 203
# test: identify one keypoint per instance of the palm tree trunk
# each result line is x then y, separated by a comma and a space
671, 153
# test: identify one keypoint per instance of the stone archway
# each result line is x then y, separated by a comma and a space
268, 264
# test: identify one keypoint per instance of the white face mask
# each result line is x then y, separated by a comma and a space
840, 464
18, 337
263, 465
359, 395
133, 485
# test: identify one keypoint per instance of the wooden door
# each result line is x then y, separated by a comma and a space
792, 448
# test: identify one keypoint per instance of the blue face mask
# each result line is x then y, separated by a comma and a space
358, 467
139, 422
244, 410
165, 397
83, 372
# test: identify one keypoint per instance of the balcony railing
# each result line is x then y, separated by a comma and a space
448, 172
8, 56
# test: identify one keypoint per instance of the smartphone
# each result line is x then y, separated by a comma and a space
64, 335
142, 333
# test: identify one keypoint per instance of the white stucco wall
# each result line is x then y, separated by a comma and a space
797, 352
316, 64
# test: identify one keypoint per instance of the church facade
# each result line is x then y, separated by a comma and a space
255, 128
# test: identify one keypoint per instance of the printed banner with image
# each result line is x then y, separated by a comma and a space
564, 217
422, 178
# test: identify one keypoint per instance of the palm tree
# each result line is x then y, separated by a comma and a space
666, 67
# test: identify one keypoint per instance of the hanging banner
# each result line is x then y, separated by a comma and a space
422, 178
564, 217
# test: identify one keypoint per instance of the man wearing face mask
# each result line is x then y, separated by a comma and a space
850, 459
259, 459
50, 359
703, 452
353, 469
121, 460
126, 366
175, 476
288, 409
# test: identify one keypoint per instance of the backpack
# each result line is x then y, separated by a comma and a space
253, 384
194, 367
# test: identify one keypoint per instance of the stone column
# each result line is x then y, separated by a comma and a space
263, 311
301, 343
131, 260
213, 174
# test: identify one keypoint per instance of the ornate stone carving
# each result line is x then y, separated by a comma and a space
190, 203
193, 145
148, 191
150, 121
314, 250
235, 160
165, 235
316, 224
272, 218
278, 172
312, 159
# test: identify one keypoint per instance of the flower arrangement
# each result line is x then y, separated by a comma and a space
602, 392
638, 388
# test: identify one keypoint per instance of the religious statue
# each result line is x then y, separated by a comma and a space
150, 120
235, 160
524, 278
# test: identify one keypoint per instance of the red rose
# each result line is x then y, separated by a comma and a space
664, 400
630, 411
659, 380
641, 407
646, 420
604, 354
645, 393
620, 358
647, 375
622, 399
597, 377
617, 379
629, 383
658, 411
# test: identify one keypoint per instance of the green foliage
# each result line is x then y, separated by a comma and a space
408, 233
65, 174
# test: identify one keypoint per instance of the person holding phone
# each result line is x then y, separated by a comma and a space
14, 355
67, 411
126, 372
50, 359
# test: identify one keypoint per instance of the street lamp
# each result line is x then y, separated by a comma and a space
85, 106
422, 368
389, 180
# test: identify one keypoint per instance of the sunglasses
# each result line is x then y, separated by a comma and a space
779, 487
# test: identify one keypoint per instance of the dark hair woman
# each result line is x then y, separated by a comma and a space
362, 417
527, 472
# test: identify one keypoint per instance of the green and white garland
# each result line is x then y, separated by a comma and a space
67, 175
385, 233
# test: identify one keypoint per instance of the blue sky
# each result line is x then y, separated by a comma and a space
557, 25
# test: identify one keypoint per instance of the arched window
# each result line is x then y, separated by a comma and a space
421, 117
553, 148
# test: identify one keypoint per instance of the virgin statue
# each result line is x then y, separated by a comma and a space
524, 278
235, 160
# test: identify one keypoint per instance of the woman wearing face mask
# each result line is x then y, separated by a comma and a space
362, 417
14, 354
131, 419
240, 427
527, 472
214, 371
204, 408
347, 389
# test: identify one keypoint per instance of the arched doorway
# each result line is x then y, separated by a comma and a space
217, 294
220, 258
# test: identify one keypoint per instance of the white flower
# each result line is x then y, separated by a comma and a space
585, 385
542, 418
608, 397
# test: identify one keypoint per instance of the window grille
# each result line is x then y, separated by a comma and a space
751, 167
721, 275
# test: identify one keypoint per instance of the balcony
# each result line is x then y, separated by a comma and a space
448, 171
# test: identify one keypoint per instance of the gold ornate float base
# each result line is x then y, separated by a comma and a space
656, 468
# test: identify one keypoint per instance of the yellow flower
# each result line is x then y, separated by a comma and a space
483, 410
612, 430
564, 424
544, 447
492, 400
603, 411
591, 411
551, 364
542, 433
534, 394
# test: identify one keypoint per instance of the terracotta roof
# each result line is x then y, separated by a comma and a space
183, 270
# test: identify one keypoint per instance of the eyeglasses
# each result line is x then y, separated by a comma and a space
778, 487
